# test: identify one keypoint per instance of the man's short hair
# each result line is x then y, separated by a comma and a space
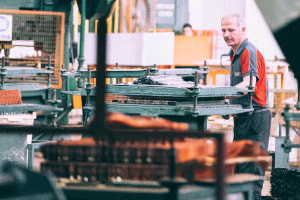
240, 20
186, 25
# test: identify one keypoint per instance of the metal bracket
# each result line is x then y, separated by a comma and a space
251, 88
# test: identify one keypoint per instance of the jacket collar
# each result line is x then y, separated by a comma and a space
240, 49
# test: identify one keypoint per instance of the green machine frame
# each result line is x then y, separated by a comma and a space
189, 103
283, 144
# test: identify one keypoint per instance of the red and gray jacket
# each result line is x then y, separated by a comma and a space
249, 59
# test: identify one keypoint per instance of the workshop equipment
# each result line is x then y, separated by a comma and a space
31, 92
182, 102
283, 144
167, 189
18, 105
28, 100
119, 160
123, 159
13, 147
284, 179
43, 33
35, 97
89, 92
10, 97
17, 182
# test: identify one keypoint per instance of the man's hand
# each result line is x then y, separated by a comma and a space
245, 83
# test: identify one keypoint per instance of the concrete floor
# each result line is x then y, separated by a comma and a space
266, 190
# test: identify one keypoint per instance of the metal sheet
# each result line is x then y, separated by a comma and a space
174, 91
166, 91
25, 86
183, 110
24, 108
134, 73
25, 71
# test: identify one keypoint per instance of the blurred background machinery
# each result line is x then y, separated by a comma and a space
35, 36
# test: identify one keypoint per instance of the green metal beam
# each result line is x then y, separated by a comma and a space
25, 86
25, 71
81, 59
25, 108
135, 73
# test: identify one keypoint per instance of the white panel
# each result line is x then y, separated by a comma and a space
90, 48
124, 48
140, 49
158, 49
5, 27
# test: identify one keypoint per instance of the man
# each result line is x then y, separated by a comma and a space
245, 58
187, 30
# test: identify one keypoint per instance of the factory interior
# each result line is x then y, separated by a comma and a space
133, 100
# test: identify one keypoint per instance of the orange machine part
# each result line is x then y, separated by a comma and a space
10, 97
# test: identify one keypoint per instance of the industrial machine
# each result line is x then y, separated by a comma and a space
283, 143
32, 40
24, 104
142, 163
32, 59
19, 182
179, 100
35, 97
31, 44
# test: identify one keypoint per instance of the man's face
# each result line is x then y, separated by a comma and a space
187, 31
233, 34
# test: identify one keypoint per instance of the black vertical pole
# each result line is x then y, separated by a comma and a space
2, 73
195, 99
205, 68
100, 81
297, 106
220, 168
251, 87
172, 163
298, 102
